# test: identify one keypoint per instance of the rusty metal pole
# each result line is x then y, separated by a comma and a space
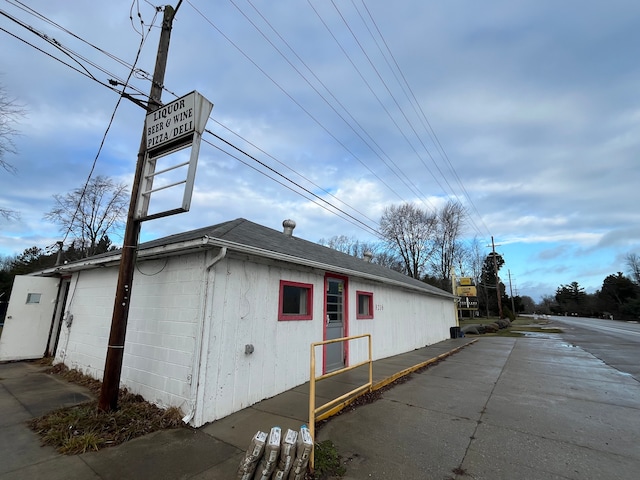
115, 349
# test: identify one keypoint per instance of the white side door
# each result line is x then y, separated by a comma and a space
29, 316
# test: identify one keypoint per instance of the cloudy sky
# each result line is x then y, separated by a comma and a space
527, 112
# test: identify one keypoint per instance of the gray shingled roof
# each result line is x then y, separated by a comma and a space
251, 234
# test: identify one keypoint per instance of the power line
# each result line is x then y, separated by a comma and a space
430, 131
104, 136
353, 219
370, 140
426, 123
246, 55
306, 111
125, 83
292, 170
134, 71
69, 53
411, 187
84, 72
57, 59
38, 15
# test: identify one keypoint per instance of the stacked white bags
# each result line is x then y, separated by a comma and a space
280, 457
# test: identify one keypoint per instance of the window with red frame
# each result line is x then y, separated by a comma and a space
365, 305
296, 301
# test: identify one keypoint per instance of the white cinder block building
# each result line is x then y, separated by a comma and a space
223, 317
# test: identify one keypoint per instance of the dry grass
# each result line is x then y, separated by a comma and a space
83, 427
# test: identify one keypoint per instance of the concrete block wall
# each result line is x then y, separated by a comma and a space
163, 329
83, 345
244, 311
161, 332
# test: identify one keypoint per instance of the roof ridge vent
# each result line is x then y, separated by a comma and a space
288, 226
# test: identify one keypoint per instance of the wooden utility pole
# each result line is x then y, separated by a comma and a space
115, 349
495, 269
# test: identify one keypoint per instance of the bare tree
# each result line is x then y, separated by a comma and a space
10, 111
388, 259
471, 263
472, 259
89, 214
547, 305
409, 232
342, 243
448, 247
633, 262
350, 245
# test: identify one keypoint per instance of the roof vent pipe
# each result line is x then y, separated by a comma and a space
288, 225
368, 256
60, 252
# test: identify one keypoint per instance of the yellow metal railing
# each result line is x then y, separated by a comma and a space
340, 402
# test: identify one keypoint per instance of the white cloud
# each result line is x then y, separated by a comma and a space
535, 104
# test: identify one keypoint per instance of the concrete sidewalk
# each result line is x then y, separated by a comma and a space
502, 408
210, 452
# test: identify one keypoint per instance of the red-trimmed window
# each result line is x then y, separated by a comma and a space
365, 305
296, 301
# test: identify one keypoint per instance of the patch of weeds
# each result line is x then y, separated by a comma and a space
327, 461
82, 428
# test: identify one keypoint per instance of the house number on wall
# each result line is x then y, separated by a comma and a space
379, 307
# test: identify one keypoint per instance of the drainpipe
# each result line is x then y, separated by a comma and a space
195, 378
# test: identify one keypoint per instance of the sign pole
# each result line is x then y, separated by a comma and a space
115, 349
456, 300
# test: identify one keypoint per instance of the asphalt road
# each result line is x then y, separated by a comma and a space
616, 343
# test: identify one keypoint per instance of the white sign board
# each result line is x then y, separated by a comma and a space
171, 122
172, 127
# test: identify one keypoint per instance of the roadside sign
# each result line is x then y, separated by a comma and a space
468, 303
467, 291
176, 121
170, 128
